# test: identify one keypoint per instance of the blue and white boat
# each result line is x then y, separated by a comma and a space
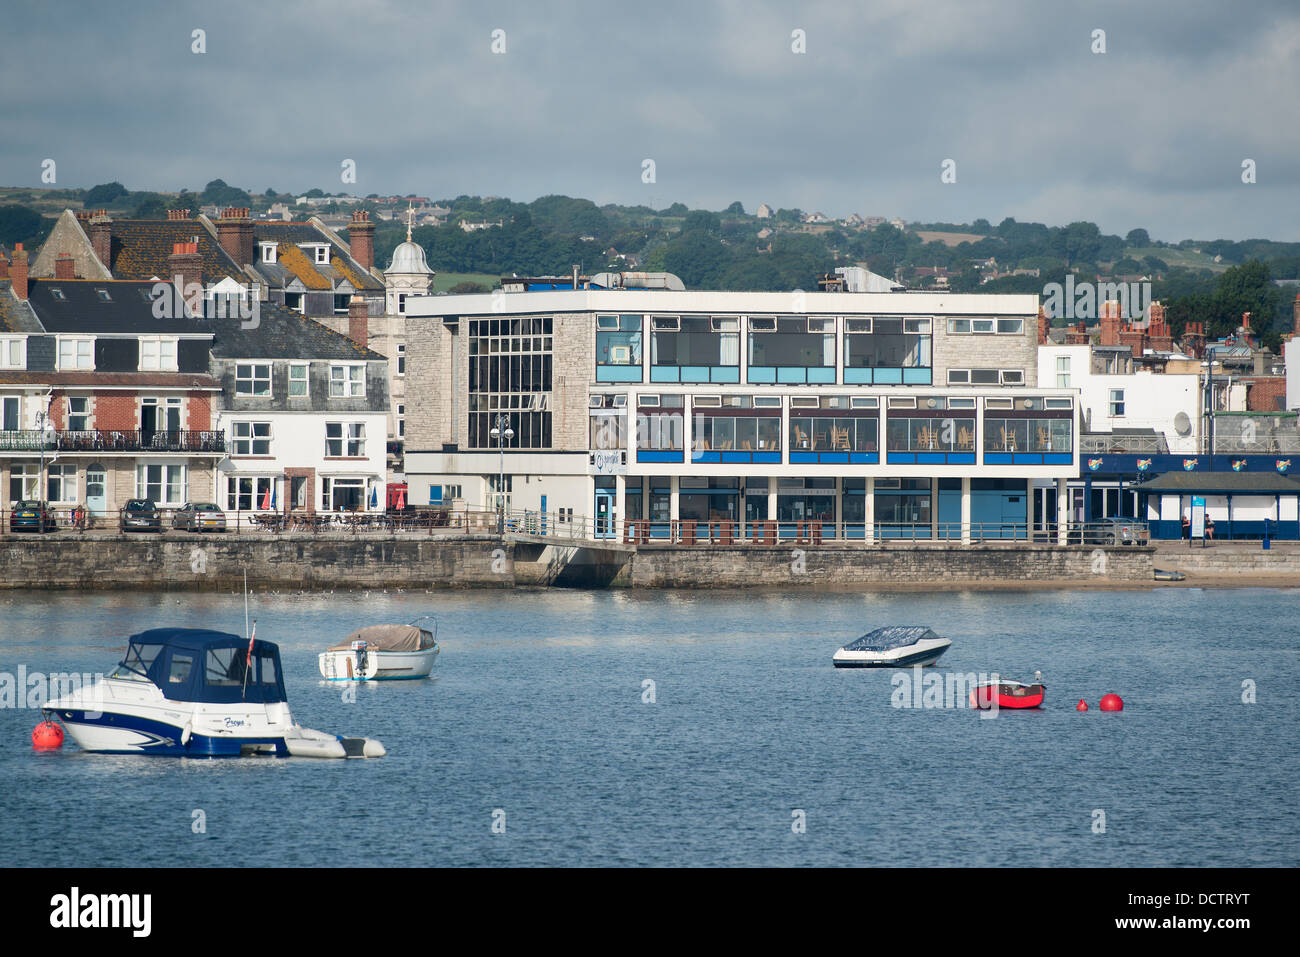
200, 693
894, 646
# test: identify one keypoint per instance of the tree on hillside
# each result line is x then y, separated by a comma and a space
217, 193
21, 224
103, 194
735, 209
1139, 238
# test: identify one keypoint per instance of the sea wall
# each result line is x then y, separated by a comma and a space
1237, 560
211, 562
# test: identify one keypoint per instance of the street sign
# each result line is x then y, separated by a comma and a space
1198, 517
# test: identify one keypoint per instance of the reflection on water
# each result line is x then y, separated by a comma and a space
540, 710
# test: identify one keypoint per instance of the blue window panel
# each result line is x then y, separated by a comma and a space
661, 530
961, 458
931, 458
618, 373
774, 457
997, 458
1027, 458
828, 530
802, 457
787, 375
651, 455
833, 458
901, 458
702, 457
726, 374
695, 373
865, 458
737, 456
916, 376
664, 374
857, 376
889, 376
435, 494
1058, 458
761, 375
822, 376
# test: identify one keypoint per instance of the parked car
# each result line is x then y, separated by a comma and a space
30, 515
141, 515
200, 517
1116, 531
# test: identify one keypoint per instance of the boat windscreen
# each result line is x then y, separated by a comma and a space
139, 658
890, 637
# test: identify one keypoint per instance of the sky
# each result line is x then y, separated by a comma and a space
525, 99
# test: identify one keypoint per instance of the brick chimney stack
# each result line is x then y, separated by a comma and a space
1110, 322
64, 267
235, 233
4, 274
359, 322
18, 271
1295, 313
361, 239
1044, 324
186, 262
100, 228
175, 214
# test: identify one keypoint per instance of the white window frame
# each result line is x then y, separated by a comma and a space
253, 433
86, 425
77, 364
13, 352
347, 386
160, 361
1116, 402
1063, 372
167, 475
253, 378
401, 359
66, 478
305, 379
268, 253
1012, 376
349, 439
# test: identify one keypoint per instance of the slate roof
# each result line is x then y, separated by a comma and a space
129, 309
288, 236
283, 334
140, 248
16, 315
1236, 482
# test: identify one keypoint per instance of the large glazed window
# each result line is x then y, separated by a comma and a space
510, 375
618, 348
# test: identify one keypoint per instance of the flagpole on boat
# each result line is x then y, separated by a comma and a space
248, 658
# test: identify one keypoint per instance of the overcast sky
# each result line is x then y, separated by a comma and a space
1151, 133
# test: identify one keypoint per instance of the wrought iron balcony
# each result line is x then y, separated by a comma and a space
114, 440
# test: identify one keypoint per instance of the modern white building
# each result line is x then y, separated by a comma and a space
739, 416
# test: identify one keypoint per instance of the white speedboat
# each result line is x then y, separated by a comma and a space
895, 646
382, 653
193, 692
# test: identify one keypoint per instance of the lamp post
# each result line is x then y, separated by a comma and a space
502, 431
1209, 403
43, 427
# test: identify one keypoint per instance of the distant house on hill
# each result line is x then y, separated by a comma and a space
764, 211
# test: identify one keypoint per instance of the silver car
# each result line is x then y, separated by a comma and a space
200, 517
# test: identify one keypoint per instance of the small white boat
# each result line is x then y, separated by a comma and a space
894, 646
382, 653
196, 693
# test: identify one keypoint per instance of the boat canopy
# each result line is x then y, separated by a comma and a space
194, 664
388, 638
891, 637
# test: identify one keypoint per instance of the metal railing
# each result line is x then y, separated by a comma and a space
114, 440
1121, 444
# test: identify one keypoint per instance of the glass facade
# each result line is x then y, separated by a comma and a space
510, 375
695, 349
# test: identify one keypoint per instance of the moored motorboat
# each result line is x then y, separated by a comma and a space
382, 653
1005, 693
894, 646
197, 693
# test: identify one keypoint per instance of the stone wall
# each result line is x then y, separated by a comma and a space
62, 560
1230, 559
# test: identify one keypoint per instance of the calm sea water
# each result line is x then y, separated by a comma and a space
537, 717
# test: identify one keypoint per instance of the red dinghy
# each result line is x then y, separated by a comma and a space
1007, 694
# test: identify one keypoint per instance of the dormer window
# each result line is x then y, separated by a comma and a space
268, 253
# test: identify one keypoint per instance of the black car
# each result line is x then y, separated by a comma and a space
30, 515
141, 515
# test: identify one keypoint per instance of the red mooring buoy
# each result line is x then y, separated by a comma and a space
1112, 702
47, 736
1081, 706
